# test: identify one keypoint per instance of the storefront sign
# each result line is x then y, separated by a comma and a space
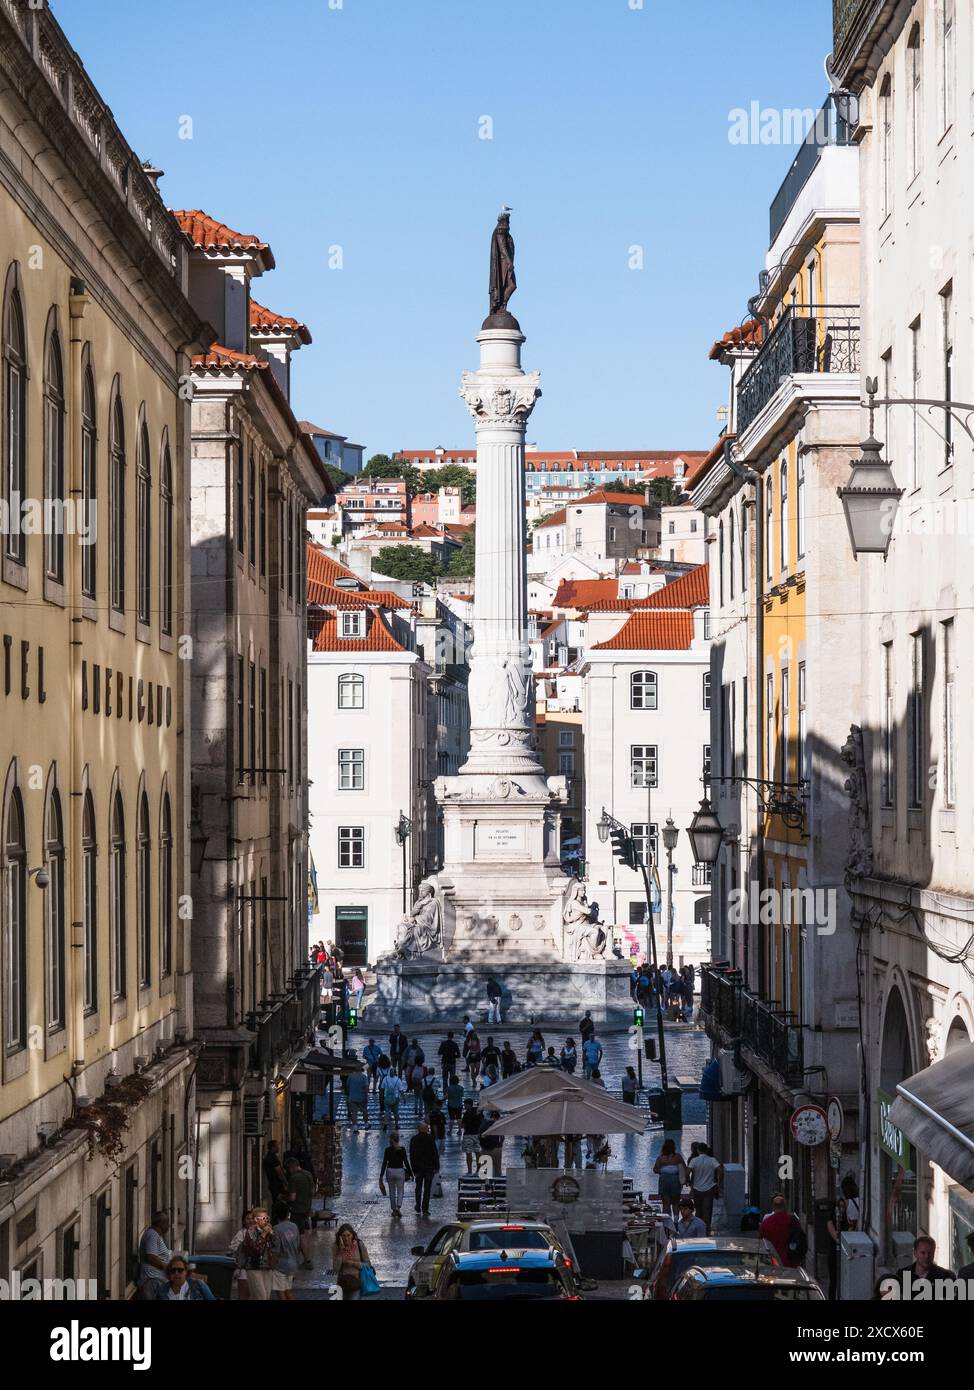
892, 1140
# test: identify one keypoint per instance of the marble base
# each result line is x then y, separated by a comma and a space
440, 992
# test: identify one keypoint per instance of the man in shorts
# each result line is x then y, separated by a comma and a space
470, 1130
301, 1191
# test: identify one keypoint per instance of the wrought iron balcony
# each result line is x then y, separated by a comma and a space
702, 875
804, 340
280, 1029
770, 1032
829, 128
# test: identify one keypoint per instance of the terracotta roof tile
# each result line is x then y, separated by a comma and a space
655, 632
747, 335
581, 593
323, 629
691, 590
266, 320
325, 569
554, 519
208, 234
219, 356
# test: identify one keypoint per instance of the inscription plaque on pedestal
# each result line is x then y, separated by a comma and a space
493, 841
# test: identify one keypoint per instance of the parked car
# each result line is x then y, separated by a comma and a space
716, 1285
472, 1237
729, 1252
499, 1276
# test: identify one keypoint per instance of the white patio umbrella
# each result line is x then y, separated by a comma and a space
569, 1112
533, 1082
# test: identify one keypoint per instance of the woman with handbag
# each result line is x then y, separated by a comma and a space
257, 1249
395, 1168
352, 1266
671, 1169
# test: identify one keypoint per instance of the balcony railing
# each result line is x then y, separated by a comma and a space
828, 128
772, 1033
702, 875
804, 340
281, 1028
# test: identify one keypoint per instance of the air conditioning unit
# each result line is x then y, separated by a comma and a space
253, 1109
732, 1080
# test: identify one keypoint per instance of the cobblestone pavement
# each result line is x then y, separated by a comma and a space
389, 1241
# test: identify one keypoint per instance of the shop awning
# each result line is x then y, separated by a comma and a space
935, 1110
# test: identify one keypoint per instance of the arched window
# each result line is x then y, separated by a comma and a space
54, 914
117, 906
351, 691
15, 423
144, 909
165, 544
720, 564
914, 77
783, 517
769, 526
15, 925
89, 854
886, 146
731, 551
744, 555
89, 486
165, 888
54, 461
117, 533
144, 524
643, 690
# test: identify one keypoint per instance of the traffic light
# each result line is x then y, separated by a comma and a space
352, 1018
638, 1017
623, 848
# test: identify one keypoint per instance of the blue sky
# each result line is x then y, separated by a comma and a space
358, 127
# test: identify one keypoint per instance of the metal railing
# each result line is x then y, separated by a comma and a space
804, 340
772, 1033
828, 128
280, 1029
702, 875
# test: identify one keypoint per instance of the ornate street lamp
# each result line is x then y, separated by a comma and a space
403, 830
706, 833
603, 826
670, 834
870, 498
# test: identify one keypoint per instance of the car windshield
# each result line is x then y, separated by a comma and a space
759, 1293
508, 1240
750, 1260
519, 1283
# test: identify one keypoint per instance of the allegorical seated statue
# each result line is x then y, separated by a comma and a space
584, 936
422, 927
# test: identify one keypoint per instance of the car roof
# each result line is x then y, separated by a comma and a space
488, 1259
717, 1275
744, 1244
496, 1225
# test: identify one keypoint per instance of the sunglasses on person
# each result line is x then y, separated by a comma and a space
177, 1269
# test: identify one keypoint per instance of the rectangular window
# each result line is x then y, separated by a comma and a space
239, 499
241, 726
947, 299
800, 503
351, 691
948, 756
915, 721
252, 723
706, 689
262, 521
744, 727
725, 743
888, 771
566, 738
290, 733
566, 764
643, 770
578, 535
252, 511
263, 727
915, 378
643, 690
769, 738
351, 847
802, 752
351, 769
947, 76
706, 761
644, 843
353, 624
612, 533
783, 724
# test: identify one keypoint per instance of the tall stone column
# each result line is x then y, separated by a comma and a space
500, 397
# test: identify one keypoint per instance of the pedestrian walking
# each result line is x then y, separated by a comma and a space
494, 996
437, 1123
370, 1056
383, 1069
274, 1174
585, 1026
569, 1056
348, 1258
470, 1130
491, 1144
154, 1255
471, 1052
357, 1099
236, 1250
454, 1101
490, 1056
393, 1090
395, 1171
705, 1175
429, 1095
671, 1169
689, 1226
630, 1086
300, 1197
784, 1231
257, 1250
398, 1042
425, 1163
591, 1054
287, 1252
356, 990
413, 1060
449, 1054
180, 1286
509, 1063
535, 1049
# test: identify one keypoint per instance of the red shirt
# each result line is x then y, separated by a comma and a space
776, 1228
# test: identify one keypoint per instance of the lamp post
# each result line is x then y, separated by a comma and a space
404, 828
670, 835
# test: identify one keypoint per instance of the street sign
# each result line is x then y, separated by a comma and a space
809, 1125
835, 1116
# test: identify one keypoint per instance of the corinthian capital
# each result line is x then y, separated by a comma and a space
500, 401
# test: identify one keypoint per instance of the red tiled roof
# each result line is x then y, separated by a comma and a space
747, 335
652, 632
208, 234
266, 319
705, 465
691, 590
323, 628
219, 356
323, 568
328, 596
553, 519
581, 593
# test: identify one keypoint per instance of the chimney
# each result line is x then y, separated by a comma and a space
152, 172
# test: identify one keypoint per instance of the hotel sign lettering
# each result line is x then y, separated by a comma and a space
892, 1140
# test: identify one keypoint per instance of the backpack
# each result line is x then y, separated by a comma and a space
390, 1088
797, 1241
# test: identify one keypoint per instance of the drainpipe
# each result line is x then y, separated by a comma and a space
77, 304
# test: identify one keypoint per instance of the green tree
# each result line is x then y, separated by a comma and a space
337, 477
461, 564
382, 466
453, 475
407, 562
663, 492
